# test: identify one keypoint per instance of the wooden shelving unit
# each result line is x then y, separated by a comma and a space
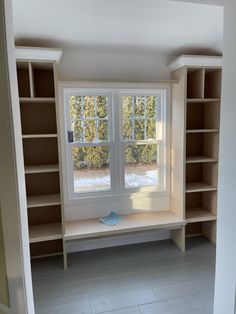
38, 107
196, 98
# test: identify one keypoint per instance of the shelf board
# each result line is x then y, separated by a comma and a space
41, 169
37, 100
25, 136
202, 100
47, 232
43, 200
202, 131
199, 187
197, 159
90, 228
199, 214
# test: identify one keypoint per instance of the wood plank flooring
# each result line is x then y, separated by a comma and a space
150, 278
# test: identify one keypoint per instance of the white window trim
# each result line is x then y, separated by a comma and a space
114, 90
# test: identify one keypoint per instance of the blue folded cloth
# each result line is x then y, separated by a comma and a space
112, 219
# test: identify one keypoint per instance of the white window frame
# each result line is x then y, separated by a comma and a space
114, 91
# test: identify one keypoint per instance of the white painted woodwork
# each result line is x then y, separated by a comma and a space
195, 61
38, 54
12, 184
225, 288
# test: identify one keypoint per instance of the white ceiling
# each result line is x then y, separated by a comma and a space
161, 26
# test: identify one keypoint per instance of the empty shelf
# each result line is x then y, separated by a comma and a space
203, 131
36, 99
196, 159
43, 200
41, 169
39, 135
137, 222
199, 214
47, 232
199, 187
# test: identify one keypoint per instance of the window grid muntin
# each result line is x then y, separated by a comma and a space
135, 118
96, 118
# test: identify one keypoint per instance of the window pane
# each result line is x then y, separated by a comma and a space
139, 106
139, 117
90, 130
141, 167
91, 168
103, 130
102, 106
77, 128
151, 129
89, 107
127, 107
139, 129
127, 129
151, 106
75, 107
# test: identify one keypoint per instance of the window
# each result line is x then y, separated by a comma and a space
116, 141
90, 145
141, 128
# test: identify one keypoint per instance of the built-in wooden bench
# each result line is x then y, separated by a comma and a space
93, 228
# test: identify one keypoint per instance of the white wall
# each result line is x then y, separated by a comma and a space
113, 65
226, 242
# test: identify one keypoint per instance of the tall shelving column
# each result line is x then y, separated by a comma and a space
200, 96
36, 71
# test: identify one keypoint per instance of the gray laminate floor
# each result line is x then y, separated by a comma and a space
151, 278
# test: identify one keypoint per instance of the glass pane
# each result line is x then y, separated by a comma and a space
90, 131
103, 130
89, 106
77, 128
127, 107
139, 106
75, 107
141, 167
102, 106
151, 129
128, 129
139, 117
151, 106
91, 168
139, 129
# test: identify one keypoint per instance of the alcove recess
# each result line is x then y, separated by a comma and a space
36, 72
197, 98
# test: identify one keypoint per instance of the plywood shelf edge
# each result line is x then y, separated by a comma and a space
43, 200
199, 215
46, 232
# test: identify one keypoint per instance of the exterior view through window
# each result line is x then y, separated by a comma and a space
140, 124
118, 143
91, 150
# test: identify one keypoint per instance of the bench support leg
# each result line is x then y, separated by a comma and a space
65, 256
178, 237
